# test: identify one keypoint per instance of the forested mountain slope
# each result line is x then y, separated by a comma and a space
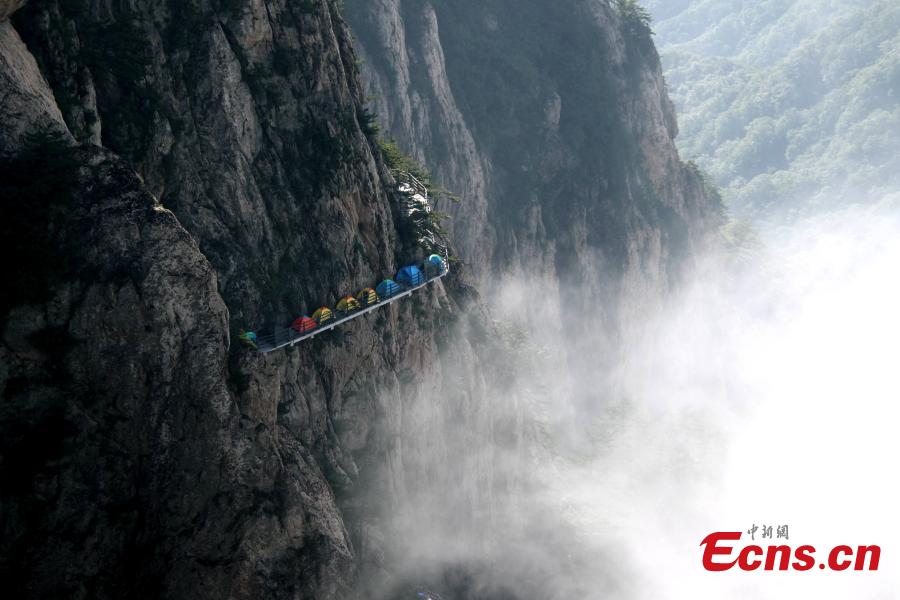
792, 106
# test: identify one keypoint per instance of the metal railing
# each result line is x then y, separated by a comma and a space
411, 187
288, 336
411, 180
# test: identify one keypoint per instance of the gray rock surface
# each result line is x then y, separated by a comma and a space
8, 7
26, 102
130, 468
243, 122
553, 124
204, 166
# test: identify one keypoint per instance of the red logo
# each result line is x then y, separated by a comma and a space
720, 553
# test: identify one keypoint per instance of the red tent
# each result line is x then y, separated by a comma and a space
304, 324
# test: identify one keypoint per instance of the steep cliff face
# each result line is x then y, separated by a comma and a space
186, 168
179, 466
553, 122
129, 467
242, 119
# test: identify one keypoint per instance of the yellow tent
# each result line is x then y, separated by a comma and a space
367, 297
322, 315
348, 304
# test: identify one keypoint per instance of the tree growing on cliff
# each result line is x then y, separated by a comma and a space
635, 18
426, 226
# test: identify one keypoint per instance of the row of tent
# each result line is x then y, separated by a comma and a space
407, 277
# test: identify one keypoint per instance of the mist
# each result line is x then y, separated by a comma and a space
800, 430
759, 392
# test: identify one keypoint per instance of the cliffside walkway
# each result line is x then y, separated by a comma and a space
416, 200
287, 336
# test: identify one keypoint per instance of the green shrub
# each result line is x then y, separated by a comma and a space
368, 121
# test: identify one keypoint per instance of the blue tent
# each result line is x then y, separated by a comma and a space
434, 265
410, 276
387, 288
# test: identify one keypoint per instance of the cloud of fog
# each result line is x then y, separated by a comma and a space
763, 396
773, 399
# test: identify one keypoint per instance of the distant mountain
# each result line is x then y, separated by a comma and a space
793, 106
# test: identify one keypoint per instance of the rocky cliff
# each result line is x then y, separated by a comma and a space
176, 170
553, 122
143, 454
